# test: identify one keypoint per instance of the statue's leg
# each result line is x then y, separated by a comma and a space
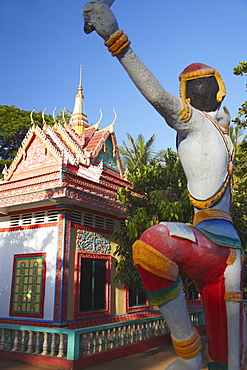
216, 323
168, 296
234, 312
186, 339
223, 310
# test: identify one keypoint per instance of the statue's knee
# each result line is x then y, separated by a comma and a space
160, 296
152, 260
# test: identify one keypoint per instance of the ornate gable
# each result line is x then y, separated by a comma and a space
37, 153
36, 156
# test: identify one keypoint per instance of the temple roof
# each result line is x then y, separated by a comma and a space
65, 156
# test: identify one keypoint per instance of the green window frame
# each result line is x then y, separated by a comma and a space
28, 285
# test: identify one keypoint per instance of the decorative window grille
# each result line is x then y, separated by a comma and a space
52, 215
26, 219
28, 285
122, 224
39, 217
14, 220
92, 220
109, 224
33, 218
76, 217
99, 222
88, 219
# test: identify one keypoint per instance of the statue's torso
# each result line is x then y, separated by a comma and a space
204, 156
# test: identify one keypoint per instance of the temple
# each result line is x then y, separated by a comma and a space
58, 210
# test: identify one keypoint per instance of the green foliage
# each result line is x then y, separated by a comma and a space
14, 124
158, 193
239, 196
139, 152
241, 120
241, 69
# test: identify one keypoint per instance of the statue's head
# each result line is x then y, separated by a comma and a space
202, 86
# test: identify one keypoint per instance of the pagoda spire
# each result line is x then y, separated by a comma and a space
78, 121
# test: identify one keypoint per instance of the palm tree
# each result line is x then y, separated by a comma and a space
236, 134
138, 152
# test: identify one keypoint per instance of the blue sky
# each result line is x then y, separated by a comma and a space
43, 45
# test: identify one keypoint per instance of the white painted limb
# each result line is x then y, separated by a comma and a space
98, 16
107, 2
232, 283
177, 317
165, 103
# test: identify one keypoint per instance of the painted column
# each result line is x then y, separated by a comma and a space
62, 265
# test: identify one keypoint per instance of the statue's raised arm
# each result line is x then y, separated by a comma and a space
98, 16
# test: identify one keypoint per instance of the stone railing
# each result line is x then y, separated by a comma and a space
74, 344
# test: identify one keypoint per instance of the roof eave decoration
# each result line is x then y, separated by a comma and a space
110, 127
117, 155
70, 142
92, 172
68, 156
96, 125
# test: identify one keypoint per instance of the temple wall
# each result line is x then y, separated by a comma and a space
31, 240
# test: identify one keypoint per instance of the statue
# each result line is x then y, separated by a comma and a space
209, 251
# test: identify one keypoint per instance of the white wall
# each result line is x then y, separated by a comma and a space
38, 240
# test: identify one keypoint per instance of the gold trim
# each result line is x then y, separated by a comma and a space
186, 110
113, 38
121, 48
232, 257
224, 128
234, 296
212, 200
153, 261
117, 42
188, 348
211, 214
206, 72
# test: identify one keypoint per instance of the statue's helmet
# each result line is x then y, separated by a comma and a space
202, 86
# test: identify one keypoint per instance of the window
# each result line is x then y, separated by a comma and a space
192, 292
28, 285
137, 298
93, 283
136, 301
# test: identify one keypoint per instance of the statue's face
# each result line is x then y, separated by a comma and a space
202, 93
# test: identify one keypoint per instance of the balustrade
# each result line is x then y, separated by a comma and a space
55, 342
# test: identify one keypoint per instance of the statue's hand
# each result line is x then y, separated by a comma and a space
99, 17
223, 116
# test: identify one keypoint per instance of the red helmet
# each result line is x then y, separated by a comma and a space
198, 70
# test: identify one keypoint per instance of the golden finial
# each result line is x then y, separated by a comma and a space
100, 118
31, 116
53, 114
43, 116
63, 115
115, 117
